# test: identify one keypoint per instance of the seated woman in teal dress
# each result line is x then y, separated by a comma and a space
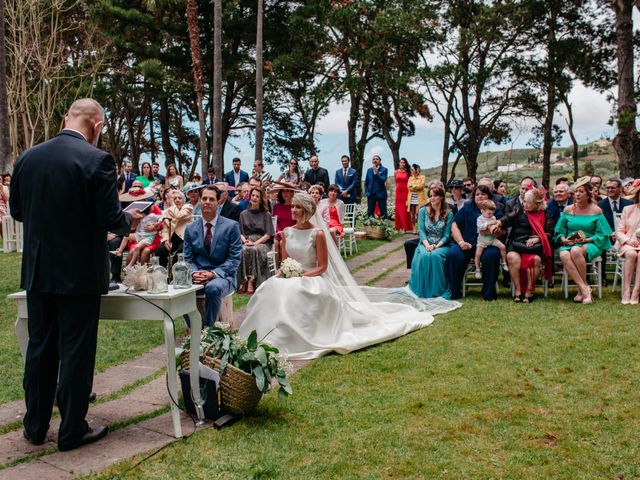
428, 278
583, 233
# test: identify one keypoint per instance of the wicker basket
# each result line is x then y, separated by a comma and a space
376, 233
360, 235
239, 391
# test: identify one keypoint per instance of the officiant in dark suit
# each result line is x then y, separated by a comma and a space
58, 186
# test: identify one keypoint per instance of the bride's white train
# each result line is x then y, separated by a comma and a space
307, 317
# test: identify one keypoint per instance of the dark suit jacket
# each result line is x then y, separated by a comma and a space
374, 183
230, 179
554, 209
606, 208
64, 191
349, 185
231, 211
223, 257
315, 176
127, 180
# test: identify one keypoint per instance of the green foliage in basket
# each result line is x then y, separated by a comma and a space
258, 358
375, 221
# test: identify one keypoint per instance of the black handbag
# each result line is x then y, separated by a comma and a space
519, 245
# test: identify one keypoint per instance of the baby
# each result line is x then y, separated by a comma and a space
142, 238
486, 220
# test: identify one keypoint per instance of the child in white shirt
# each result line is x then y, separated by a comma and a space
140, 236
485, 239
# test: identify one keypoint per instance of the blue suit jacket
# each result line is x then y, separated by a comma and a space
606, 208
350, 184
374, 184
554, 209
230, 179
223, 258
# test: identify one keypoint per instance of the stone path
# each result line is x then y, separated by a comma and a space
19, 459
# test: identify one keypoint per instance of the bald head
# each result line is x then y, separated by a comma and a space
87, 116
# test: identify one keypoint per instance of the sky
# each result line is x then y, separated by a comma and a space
591, 112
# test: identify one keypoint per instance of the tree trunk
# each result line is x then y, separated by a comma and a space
444, 170
453, 169
259, 83
547, 129
217, 86
6, 159
196, 60
165, 132
574, 141
626, 142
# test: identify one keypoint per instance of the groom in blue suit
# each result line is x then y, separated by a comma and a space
375, 187
346, 180
213, 248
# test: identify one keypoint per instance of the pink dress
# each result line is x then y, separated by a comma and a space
626, 229
334, 220
402, 216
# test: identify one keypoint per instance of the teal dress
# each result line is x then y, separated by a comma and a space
595, 227
428, 278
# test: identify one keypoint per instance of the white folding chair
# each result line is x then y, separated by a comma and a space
9, 234
349, 229
614, 258
271, 256
471, 270
593, 270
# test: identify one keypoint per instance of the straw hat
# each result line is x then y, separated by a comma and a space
582, 181
277, 186
135, 194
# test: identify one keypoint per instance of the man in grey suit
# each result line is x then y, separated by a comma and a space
213, 248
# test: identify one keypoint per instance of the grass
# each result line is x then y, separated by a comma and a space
492, 390
118, 341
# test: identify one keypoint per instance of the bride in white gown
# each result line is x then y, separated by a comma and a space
325, 310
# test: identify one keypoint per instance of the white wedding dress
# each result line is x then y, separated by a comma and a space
307, 317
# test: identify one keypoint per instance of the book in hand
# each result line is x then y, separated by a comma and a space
142, 206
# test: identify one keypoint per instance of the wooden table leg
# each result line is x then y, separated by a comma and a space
170, 344
194, 358
22, 332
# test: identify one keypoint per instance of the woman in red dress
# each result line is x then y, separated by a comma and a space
332, 211
402, 216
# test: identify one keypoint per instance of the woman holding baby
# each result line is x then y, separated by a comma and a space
583, 233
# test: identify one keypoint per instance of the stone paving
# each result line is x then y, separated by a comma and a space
45, 462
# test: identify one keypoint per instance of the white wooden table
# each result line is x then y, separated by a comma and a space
117, 305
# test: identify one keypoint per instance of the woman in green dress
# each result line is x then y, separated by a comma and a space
428, 278
577, 249
146, 177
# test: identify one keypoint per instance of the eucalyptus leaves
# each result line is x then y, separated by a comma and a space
257, 358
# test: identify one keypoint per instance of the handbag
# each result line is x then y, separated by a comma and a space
519, 245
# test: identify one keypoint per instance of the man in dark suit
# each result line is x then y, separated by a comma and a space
126, 177
346, 180
560, 200
211, 179
155, 170
516, 202
64, 192
235, 176
375, 187
614, 201
213, 247
316, 174
226, 207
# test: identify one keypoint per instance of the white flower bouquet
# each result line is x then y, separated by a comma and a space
290, 268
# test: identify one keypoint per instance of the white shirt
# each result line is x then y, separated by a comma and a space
213, 226
617, 204
236, 178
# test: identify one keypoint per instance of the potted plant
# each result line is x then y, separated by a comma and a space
377, 228
247, 367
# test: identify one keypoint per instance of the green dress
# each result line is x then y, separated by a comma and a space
595, 227
144, 180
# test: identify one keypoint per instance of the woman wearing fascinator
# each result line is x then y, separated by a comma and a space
529, 244
323, 309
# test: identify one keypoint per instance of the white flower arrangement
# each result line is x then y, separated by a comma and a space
290, 268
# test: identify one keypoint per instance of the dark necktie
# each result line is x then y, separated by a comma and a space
615, 206
344, 175
207, 236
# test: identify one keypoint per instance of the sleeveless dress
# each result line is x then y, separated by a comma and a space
307, 317
334, 220
428, 278
402, 216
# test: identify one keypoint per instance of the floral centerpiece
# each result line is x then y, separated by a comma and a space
290, 268
257, 358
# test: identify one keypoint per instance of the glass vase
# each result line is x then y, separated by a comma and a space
181, 273
157, 277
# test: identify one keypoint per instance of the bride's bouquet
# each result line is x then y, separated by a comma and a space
290, 268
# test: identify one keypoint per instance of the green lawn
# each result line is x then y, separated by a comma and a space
492, 390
